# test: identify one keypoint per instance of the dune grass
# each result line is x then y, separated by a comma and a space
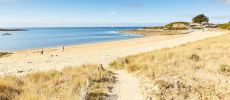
199, 70
67, 84
224, 26
3, 54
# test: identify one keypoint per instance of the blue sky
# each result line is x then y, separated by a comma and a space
30, 13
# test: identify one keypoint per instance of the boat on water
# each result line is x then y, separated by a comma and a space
5, 34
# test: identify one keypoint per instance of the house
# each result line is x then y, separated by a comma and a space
210, 25
195, 25
202, 25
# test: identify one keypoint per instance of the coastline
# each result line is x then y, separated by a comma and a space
29, 61
70, 45
154, 32
4, 29
37, 38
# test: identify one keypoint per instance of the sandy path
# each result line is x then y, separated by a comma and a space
128, 87
100, 53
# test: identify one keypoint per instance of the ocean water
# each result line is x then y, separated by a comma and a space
57, 37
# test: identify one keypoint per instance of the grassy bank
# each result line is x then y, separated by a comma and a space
67, 84
168, 29
199, 70
224, 26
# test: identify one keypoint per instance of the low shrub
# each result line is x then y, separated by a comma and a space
170, 26
225, 68
194, 57
157, 27
2, 54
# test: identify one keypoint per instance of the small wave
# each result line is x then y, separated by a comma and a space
112, 32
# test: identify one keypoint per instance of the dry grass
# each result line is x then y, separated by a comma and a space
3, 54
197, 71
55, 85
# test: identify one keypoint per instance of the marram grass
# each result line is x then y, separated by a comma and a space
57, 85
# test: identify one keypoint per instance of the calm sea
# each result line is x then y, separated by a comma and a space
55, 37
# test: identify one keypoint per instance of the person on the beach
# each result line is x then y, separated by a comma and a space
63, 48
42, 52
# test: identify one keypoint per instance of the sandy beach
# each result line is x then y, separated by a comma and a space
27, 61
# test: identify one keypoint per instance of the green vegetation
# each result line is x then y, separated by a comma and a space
197, 71
194, 57
225, 68
200, 19
196, 27
170, 26
2, 54
224, 26
67, 84
159, 27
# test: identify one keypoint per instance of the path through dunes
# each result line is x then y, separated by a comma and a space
128, 87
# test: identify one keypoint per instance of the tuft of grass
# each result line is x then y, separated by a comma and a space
117, 64
58, 85
180, 73
194, 57
3, 54
225, 68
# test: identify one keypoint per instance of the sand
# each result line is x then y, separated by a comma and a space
27, 61
128, 87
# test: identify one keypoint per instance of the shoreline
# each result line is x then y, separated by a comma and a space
125, 32
70, 45
86, 44
29, 61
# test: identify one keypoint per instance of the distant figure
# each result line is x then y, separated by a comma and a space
63, 48
42, 52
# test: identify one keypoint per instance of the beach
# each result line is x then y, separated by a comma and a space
29, 61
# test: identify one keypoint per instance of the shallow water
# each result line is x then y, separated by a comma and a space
55, 37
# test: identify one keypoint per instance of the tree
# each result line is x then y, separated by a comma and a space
200, 19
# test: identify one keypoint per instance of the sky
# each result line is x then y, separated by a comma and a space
73, 13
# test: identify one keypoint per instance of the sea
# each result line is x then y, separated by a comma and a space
34, 38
